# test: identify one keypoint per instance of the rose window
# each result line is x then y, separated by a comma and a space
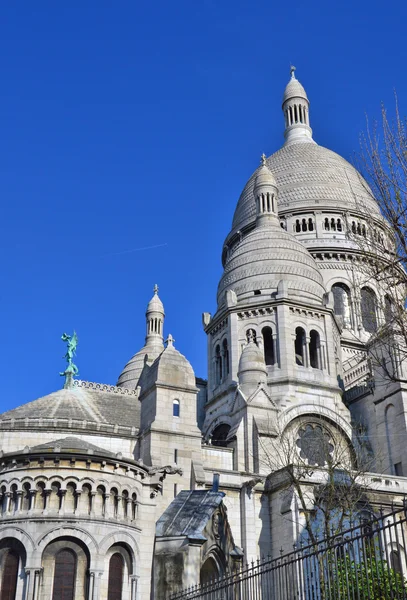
315, 444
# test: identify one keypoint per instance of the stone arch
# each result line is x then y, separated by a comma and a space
219, 434
53, 565
123, 538
20, 535
217, 420
310, 410
213, 565
88, 481
12, 574
73, 532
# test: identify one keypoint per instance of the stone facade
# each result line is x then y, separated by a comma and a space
107, 488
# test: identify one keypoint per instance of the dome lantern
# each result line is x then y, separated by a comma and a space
265, 195
296, 112
155, 319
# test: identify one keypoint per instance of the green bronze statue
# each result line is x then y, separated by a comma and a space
71, 369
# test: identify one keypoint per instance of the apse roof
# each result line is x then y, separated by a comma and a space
188, 514
86, 406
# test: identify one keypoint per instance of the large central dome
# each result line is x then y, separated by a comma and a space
309, 175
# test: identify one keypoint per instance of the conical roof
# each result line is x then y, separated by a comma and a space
155, 304
294, 89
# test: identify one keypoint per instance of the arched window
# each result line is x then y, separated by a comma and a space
395, 561
304, 225
368, 309
133, 506
10, 574
70, 498
26, 503
209, 571
388, 309
342, 304
326, 224
297, 226
175, 408
268, 344
300, 346
40, 496
115, 585
353, 227
339, 225
64, 575
314, 350
54, 498
333, 224
218, 365
225, 351
220, 434
310, 224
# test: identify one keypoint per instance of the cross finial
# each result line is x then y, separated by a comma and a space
155, 289
292, 71
170, 341
263, 159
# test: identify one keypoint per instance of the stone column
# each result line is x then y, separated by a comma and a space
8, 502
62, 507
47, 494
33, 494
91, 584
119, 505
19, 500
92, 504
107, 505
95, 577
78, 494
32, 583
133, 584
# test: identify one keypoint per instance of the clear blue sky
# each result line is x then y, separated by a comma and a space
125, 125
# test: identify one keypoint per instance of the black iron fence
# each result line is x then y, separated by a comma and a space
365, 562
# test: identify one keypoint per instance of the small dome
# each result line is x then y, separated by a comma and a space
130, 375
264, 177
264, 257
152, 348
169, 367
155, 304
251, 361
294, 89
311, 176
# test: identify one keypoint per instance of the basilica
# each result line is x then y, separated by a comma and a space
135, 490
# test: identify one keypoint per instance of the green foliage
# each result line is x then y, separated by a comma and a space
370, 577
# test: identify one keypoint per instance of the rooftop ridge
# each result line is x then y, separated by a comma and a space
103, 387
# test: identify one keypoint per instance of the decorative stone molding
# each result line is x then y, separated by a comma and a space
103, 387
256, 312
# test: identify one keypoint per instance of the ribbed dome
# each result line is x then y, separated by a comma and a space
251, 362
262, 259
155, 304
264, 177
131, 373
309, 175
294, 89
170, 367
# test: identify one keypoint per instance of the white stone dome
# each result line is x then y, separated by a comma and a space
251, 364
309, 175
265, 256
294, 89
